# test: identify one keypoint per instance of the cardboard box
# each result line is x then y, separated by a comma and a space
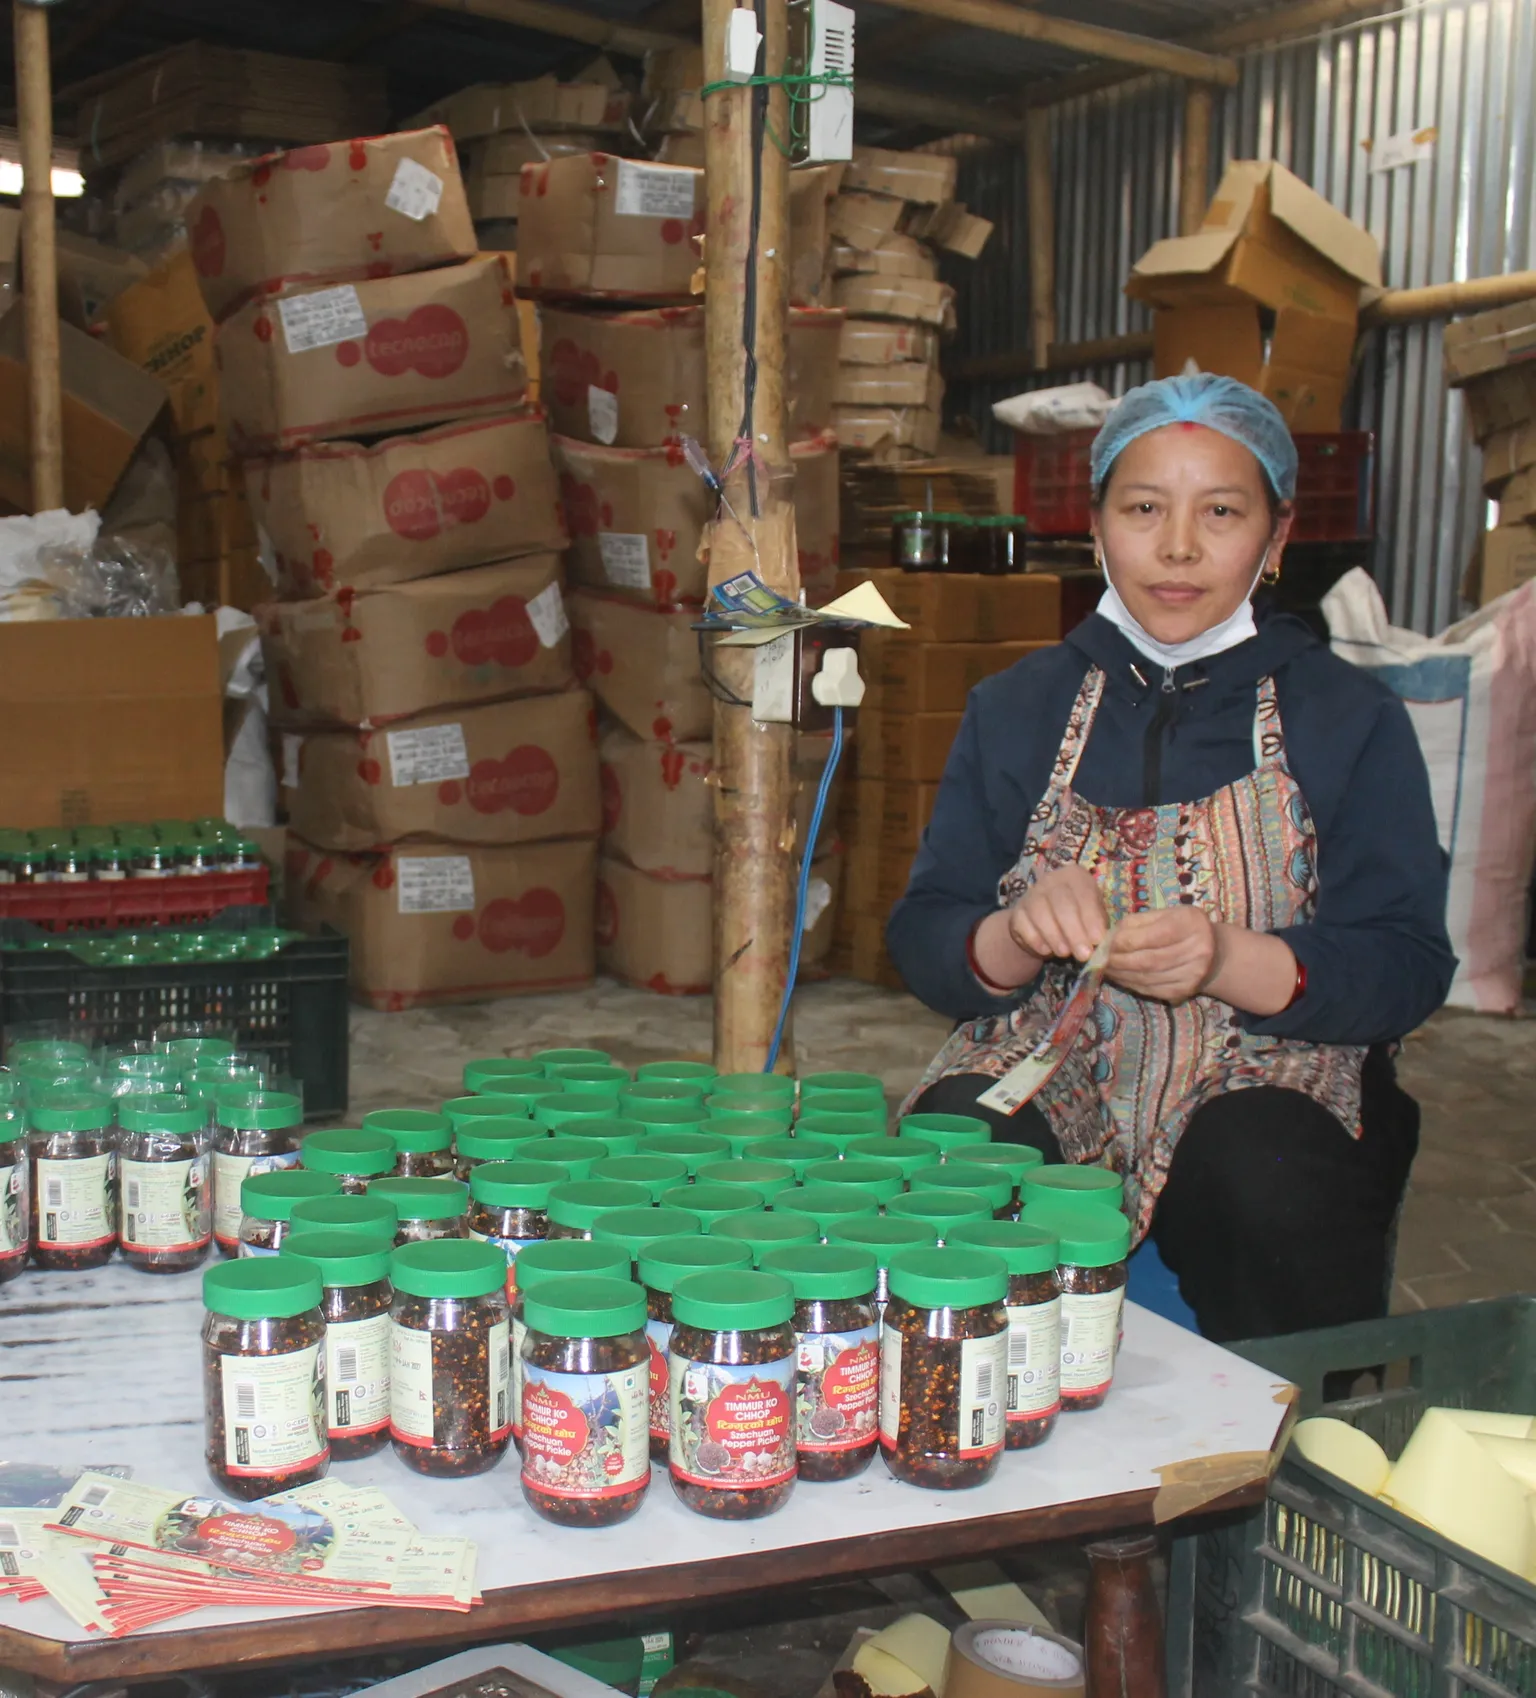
636, 379
162, 324
375, 206
896, 297
1309, 391
110, 719
888, 812
387, 354
507, 772
339, 514
902, 383
541, 104
963, 607
214, 523
811, 188
91, 276
949, 226
655, 933
1509, 560
879, 341
658, 804
238, 579
879, 430
506, 154
1489, 341
1506, 453
445, 923
925, 178
108, 403
642, 664
858, 949
818, 516
908, 677
863, 221
891, 256
877, 879
911, 748
1501, 400
375, 655
1517, 498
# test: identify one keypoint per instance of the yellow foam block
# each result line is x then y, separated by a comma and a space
1345, 1451
1492, 1422
1515, 1456
985, 1593
904, 1658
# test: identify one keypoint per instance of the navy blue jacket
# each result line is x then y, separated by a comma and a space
1377, 956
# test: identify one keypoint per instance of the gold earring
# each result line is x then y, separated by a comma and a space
1270, 574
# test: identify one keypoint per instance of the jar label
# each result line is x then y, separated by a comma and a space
983, 1385
410, 1385
837, 1389
498, 1367
1034, 1360
229, 1174
890, 1385
512, 1248
732, 1428
165, 1204
357, 1375
658, 1335
1090, 1331
15, 1210
74, 1203
519, 1333
586, 1435
274, 1411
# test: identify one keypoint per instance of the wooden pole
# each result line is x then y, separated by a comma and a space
1195, 158
40, 274
746, 317
1445, 300
1042, 235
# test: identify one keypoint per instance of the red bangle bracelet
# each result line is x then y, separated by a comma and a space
975, 966
1301, 984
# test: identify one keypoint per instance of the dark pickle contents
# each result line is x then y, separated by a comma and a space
1094, 1240
165, 1219
660, 1265
1030, 1253
1080, 1317
74, 1185
354, 1271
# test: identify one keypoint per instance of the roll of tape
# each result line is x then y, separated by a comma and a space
1000, 1659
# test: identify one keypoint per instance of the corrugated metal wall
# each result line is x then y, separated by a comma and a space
1468, 68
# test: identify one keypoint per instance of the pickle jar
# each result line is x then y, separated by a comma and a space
1094, 1241
509, 1207
766, 1178
991, 1183
74, 1180
548, 1058
777, 1088
556, 1258
911, 1155
655, 1173
593, 1079
575, 1205
423, 1140
373, 1214
837, 1357
813, 1085
691, 1147
710, 1204
731, 1410
881, 1177
618, 1136
356, 1298
1018, 1161
563, 1113
662, 1263
635, 1228
578, 1156
700, 1073
800, 1151
943, 1211
1033, 1398
943, 1358
165, 1201
644, 1092
664, 1115
450, 1382
839, 1126
740, 1127
1079, 1182
15, 1182
427, 1208
586, 1401
264, 1394
266, 1206
946, 1131
505, 1138
826, 1205
509, 1102
760, 1233
495, 1071
916, 542
883, 1236
354, 1156
255, 1131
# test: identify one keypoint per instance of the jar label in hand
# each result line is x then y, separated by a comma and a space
732, 1428
586, 1435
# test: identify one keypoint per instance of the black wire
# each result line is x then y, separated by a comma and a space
713, 682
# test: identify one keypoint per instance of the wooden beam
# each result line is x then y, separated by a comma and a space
1445, 300
1041, 210
1195, 158
898, 38
40, 297
1060, 356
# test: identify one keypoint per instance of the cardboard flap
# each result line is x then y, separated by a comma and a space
1322, 226
1186, 256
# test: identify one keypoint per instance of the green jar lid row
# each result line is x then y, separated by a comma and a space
950, 1277
585, 1306
262, 1288
733, 1300
515, 1184
271, 1196
664, 1261
343, 1258
349, 1151
449, 1267
423, 1199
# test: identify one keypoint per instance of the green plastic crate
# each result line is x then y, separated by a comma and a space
1327, 1593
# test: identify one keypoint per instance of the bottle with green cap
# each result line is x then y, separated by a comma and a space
509, 1206
508, 1096
839, 1126
635, 1228
575, 1206
765, 1116
450, 1394
586, 1396
945, 1131
742, 1127
801, 1151
766, 1178
813, 1085
266, 1205
492, 1072
940, 1209
264, 1387
355, 1300
428, 1209
648, 1091
731, 1411
555, 1258
662, 1114
74, 1190
578, 1156
992, 1183
1016, 1160
423, 1140
837, 1356
827, 1204
355, 1155
256, 1130
944, 1365
911, 1155
773, 1087
374, 1215
709, 1204
548, 1058
882, 1236
1094, 1240
565, 1112
15, 1182
592, 1079
761, 1233
692, 1147
701, 1073
165, 1203
498, 1137
655, 1173
1034, 1323
618, 1136
882, 1177
1085, 1181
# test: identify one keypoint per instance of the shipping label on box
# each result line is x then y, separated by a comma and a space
384, 354
878, 342
339, 515
162, 324
508, 772
373, 655
375, 206
658, 804
923, 178
642, 664
657, 933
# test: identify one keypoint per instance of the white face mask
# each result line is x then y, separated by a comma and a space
1236, 628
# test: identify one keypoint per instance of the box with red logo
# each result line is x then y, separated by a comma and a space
441, 923
364, 657
636, 379
384, 354
374, 206
340, 515
508, 772
592, 224
642, 664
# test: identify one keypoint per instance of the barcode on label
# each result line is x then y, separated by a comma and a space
984, 1382
1018, 1348
9, 1566
346, 1362
10, 1534
133, 1193
245, 1401
55, 1193
96, 1496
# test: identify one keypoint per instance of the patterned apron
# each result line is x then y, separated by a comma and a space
1140, 1068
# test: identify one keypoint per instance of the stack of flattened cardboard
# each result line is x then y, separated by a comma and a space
1492, 359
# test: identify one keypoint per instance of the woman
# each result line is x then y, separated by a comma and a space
1247, 819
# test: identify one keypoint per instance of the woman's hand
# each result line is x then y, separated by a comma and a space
1061, 916
1168, 954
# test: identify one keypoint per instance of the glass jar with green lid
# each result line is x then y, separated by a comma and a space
506, 1096
255, 1131
940, 1209
1001, 544
578, 1156
197, 1049
777, 1087
264, 1391
618, 1136
837, 1357
427, 1208
655, 1173
636, 1228
766, 1178
663, 1262
1085, 1181
882, 1177
165, 1203
731, 1410
355, 1300
841, 1126
509, 1207
73, 1183
266, 1205
1094, 1241
710, 1204
67, 1073
585, 1373
911, 1155
555, 1258
943, 1362
355, 1155
665, 1114
560, 1114
592, 1079
423, 1140
917, 541
373, 1215
882, 1236
492, 1072
207, 1080
1033, 1398
450, 1372
692, 1148
813, 1085
27, 1052
827, 1204
742, 1127
151, 1072
548, 1058
500, 1137
946, 1131
992, 1183
646, 1091
701, 1073
764, 1232
575, 1206
1016, 1160
801, 1151
15, 1182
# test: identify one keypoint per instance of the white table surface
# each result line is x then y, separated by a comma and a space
104, 1368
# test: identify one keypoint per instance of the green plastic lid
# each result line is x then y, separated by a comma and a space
990, 1182
558, 1112
948, 1278
500, 1138
649, 1091
27, 1051
841, 1127
883, 1234
257, 1111
777, 1086
1090, 1234
1024, 1248
70, 1111
736, 1105
548, 1058
460, 1112
271, 1196
946, 1131
762, 1233
347, 1151
940, 1209
827, 1203
515, 1184
372, 1214
800, 1152
1013, 1159
585, 1307
766, 1178
11, 1130
882, 1177
742, 1129
343, 1258
618, 1136
813, 1084
512, 1096
164, 1113
449, 1267
655, 1173
497, 1070
416, 1131
579, 1202
665, 1114
671, 1072
710, 1203
635, 1228
262, 1288
692, 1148
199, 1049
1062, 1179
559, 1258
423, 1199
824, 1272
733, 1300
592, 1079
911, 1155
664, 1261
615, 1662
578, 1156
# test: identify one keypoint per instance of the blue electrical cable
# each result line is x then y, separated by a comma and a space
829, 772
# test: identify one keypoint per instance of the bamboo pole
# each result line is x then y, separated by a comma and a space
1195, 157
1061, 356
1042, 235
746, 304
40, 297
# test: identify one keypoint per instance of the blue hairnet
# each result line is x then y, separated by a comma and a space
1218, 403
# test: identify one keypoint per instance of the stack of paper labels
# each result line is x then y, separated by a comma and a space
118, 1556
1469, 1474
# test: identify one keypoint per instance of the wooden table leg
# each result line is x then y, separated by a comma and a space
1125, 1627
